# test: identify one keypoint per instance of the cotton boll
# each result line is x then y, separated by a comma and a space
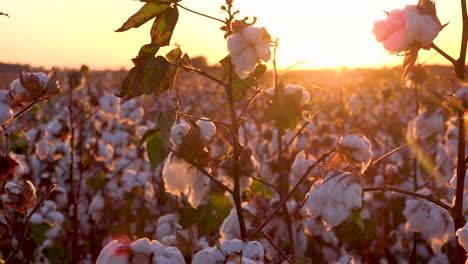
357, 149
95, 207
300, 166
37, 219
178, 133
182, 178
115, 252
254, 251
6, 97
439, 259
247, 47
334, 198
229, 247
207, 130
170, 255
428, 123
462, 94
208, 256
20, 94
6, 114
462, 235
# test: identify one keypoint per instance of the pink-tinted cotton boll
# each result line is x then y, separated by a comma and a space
117, 251
405, 28
247, 47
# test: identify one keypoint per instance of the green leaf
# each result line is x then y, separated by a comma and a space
97, 182
241, 86
18, 143
210, 215
56, 255
151, 77
286, 112
163, 26
154, 147
146, 53
147, 12
38, 232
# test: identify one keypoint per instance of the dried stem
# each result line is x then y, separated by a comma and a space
459, 65
27, 219
200, 14
277, 248
75, 246
443, 53
428, 197
205, 74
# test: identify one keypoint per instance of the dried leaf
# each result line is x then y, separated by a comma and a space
163, 26
147, 12
409, 61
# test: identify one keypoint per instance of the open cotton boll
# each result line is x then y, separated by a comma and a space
247, 47
178, 133
170, 255
115, 252
207, 130
403, 28
208, 255
462, 94
254, 251
428, 123
333, 198
357, 149
95, 207
181, 177
433, 222
232, 246
300, 166
462, 234
6, 114
6, 97
19, 93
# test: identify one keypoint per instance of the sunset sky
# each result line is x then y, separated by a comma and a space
322, 33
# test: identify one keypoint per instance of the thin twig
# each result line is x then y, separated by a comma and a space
428, 197
260, 180
15, 251
202, 169
277, 248
200, 14
191, 69
286, 198
249, 101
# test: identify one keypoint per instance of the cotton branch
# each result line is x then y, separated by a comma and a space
428, 197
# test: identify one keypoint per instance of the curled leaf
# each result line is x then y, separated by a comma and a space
147, 12
163, 26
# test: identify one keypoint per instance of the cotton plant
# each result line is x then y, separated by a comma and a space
334, 197
231, 251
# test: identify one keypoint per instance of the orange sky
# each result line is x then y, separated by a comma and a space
323, 33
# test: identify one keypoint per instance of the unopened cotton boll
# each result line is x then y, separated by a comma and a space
207, 130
